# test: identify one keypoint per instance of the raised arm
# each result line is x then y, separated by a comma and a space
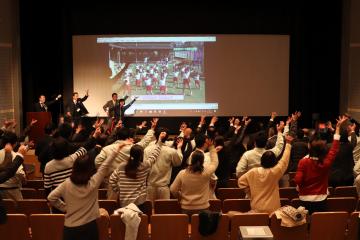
214, 161
11, 169
149, 135
279, 141
280, 168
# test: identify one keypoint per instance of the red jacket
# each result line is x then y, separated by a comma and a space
311, 176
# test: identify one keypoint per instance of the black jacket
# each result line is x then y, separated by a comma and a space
77, 109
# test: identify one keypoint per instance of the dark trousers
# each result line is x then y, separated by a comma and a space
88, 231
312, 207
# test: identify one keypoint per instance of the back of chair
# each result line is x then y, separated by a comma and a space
167, 206
33, 206
147, 208
169, 226
345, 191
295, 202
353, 226
221, 230
109, 205
10, 206
328, 225
288, 192
16, 227
102, 194
285, 201
347, 204
247, 219
34, 184
103, 224
232, 183
118, 228
47, 226
215, 205
230, 193
286, 233
29, 193
240, 205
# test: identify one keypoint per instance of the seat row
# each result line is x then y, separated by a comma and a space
329, 225
172, 206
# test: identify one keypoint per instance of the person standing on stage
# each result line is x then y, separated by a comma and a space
76, 108
121, 108
110, 105
42, 105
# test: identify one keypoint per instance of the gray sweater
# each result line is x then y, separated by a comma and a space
80, 202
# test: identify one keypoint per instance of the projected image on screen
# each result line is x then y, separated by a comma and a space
177, 75
174, 70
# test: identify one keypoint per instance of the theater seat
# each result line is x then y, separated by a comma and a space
10, 206
109, 205
353, 226
345, 191
328, 225
167, 206
169, 226
16, 228
246, 219
230, 193
287, 233
347, 204
33, 206
241, 205
45, 225
215, 205
34, 184
221, 231
288, 192
103, 224
118, 228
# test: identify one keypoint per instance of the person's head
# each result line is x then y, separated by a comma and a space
201, 141
65, 130
114, 96
83, 169
260, 139
219, 141
60, 148
197, 162
49, 128
160, 130
122, 102
75, 95
268, 159
187, 133
136, 158
300, 133
8, 137
317, 147
122, 133
42, 98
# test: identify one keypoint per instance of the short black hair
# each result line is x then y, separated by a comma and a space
160, 130
60, 148
261, 139
49, 128
122, 133
65, 130
268, 159
75, 93
114, 94
8, 137
200, 140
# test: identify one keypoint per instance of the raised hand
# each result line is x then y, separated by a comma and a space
231, 120
8, 147
214, 119
179, 142
23, 149
247, 121
289, 139
202, 120
154, 123
273, 115
33, 121
97, 132
280, 126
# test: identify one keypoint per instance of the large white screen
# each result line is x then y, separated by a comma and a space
223, 75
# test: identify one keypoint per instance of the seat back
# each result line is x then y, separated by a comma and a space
285, 201
241, 205
109, 205
15, 228
345, 191
328, 225
232, 183
169, 226
29, 193
45, 225
215, 205
221, 230
118, 228
147, 208
288, 192
230, 193
33, 206
347, 204
286, 233
167, 206
246, 219
353, 226
10, 206
34, 184
103, 224
102, 194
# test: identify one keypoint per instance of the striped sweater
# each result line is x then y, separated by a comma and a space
57, 171
131, 190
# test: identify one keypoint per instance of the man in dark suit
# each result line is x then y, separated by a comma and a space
42, 105
119, 110
76, 108
110, 105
